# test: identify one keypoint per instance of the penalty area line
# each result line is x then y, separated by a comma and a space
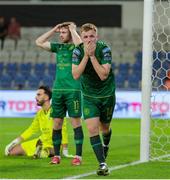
113, 168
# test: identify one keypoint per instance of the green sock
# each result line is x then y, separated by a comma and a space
57, 137
97, 148
106, 138
78, 137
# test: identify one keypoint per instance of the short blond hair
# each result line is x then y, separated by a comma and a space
88, 26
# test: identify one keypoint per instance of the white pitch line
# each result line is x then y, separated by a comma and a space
113, 168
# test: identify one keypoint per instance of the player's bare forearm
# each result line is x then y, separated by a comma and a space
101, 70
75, 36
43, 40
77, 70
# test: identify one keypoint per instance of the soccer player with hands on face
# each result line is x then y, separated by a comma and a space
92, 62
66, 94
42, 146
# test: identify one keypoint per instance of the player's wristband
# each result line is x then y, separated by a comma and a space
11, 145
15, 142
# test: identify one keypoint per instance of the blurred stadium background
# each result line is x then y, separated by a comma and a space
24, 66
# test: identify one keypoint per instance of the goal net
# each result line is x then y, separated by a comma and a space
160, 95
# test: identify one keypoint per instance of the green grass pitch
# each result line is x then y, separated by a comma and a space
124, 148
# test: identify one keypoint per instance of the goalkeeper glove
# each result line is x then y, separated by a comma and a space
38, 150
11, 145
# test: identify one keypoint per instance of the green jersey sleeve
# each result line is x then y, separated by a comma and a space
55, 46
103, 53
76, 57
106, 55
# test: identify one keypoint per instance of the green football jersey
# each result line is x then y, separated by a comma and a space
91, 84
64, 79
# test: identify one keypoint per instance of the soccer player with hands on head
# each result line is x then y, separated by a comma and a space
66, 94
40, 147
92, 62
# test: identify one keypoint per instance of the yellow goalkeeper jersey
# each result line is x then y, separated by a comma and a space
43, 126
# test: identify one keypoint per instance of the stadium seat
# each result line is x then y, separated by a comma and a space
157, 55
138, 56
113, 66
25, 69
138, 74
26, 33
19, 81
37, 31
1, 68
156, 64
4, 56
123, 66
166, 64
136, 67
161, 73
48, 80
30, 56
128, 57
116, 57
168, 55
9, 45
118, 44
39, 69
133, 81
106, 33
44, 57
123, 69
51, 69
136, 34
33, 47
131, 43
120, 33
120, 81
153, 73
11, 69
156, 83
5, 81
33, 82
16, 56
22, 45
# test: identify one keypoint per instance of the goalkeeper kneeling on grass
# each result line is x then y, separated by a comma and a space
42, 146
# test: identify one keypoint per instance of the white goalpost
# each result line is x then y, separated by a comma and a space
155, 128
146, 80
